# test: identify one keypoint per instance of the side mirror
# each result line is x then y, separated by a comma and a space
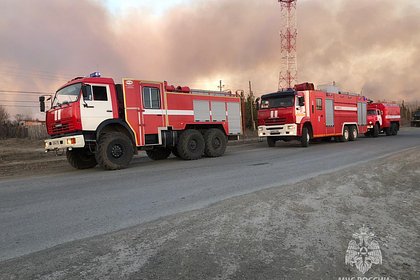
42, 104
257, 103
301, 101
86, 92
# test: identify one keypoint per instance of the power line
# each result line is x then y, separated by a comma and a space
14, 70
14, 94
26, 101
22, 91
24, 106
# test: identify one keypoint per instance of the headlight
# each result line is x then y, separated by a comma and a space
71, 141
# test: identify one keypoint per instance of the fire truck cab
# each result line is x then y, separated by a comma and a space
303, 113
99, 122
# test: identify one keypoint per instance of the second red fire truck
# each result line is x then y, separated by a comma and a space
303, 113
99, 122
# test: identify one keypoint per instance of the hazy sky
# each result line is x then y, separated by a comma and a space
157, 7
372, 45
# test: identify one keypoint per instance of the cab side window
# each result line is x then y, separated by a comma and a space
97, 93
319, 104
151, 98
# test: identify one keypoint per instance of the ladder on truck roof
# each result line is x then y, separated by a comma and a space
211, 92
179, 89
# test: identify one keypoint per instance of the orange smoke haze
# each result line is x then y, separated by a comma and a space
370, 46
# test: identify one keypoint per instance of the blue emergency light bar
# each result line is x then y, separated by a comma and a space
95, 75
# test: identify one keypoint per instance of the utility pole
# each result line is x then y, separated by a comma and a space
220, 86
251, 94
241, 94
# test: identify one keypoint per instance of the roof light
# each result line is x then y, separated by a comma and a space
95, 75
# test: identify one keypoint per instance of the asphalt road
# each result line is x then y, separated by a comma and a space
42, 211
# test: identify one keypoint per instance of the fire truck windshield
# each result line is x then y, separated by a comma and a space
277, 101
371, 112
67, 94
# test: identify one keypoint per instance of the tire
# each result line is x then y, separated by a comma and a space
81, 158
114, 151
375, 132
271, 141
304, 140
158, 153
215, 142
191, 145
387, 131
346, 135
353, 133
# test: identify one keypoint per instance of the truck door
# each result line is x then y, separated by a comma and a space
318, 115
95, 106
153, 112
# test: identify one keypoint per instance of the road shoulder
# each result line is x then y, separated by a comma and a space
298, 231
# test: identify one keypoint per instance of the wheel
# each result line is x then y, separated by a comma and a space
81, 158
271, 141
190, 145
158, 153
387, 131
375, 132
215, 142
346, 135
394, 129
353, 133
304, 140
114, 151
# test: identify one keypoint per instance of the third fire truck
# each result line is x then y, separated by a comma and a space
383, 118
303, 113
99, 122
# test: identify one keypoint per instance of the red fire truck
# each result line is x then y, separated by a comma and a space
383, 117
99, 122
303, 113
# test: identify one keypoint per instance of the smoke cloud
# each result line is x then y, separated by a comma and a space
369, 46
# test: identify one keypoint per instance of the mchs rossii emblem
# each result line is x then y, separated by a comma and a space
364, 251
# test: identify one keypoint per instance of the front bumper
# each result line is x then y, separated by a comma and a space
74, 141
278, 130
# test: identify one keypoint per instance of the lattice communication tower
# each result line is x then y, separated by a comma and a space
288, 36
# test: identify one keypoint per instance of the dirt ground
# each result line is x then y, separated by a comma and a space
24, 157
298, 231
